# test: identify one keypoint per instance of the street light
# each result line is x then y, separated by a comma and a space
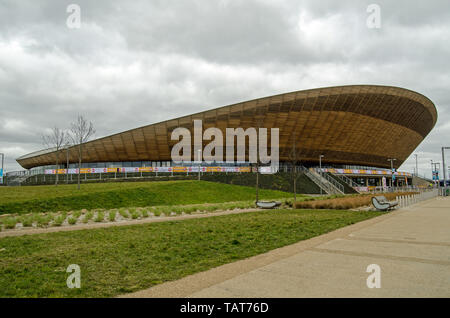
3, 170
444, 168
320, 169
434, 169
417, 167
199, 162
432, 172
67, 164
392, 170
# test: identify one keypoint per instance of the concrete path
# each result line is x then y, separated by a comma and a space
411, 246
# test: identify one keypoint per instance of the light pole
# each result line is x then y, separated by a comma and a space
438, 165
320, 169
67, 164
3, 170
432, 172
199, 162
392, 170
417, 167
444, 167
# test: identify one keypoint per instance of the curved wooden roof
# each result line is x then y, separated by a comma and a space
358, 124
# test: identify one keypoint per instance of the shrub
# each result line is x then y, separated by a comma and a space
341, 202
58, 220
89, 215
77, 214
123, 212
112, 216
72, 220
27, 221
134, 214
10, 223
100, 216
44, 220
145, 213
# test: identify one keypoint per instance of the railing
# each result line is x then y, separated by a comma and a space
380, 189
347, 180
326, 183
407, 200
18, 173
315, 179
339, 187
444, 191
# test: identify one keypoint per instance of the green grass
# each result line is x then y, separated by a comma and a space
133, 194
123, 259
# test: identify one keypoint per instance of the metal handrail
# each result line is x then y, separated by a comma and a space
333, 182
315, 179
327, 183
338, 187
347, 180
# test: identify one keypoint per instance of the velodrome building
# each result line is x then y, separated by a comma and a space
353, 130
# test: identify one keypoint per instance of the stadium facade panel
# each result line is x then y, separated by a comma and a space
361, 125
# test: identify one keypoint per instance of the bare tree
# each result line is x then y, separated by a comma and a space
56, 140
259, 119
81, 130
293, 157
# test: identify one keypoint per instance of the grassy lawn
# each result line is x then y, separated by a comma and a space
123, 259
116, 195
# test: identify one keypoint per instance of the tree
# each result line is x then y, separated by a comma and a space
259, 119
293, 157
81, 130
57, 140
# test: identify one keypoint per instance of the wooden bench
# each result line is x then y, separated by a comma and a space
382, 204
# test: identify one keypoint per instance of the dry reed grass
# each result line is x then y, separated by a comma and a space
347, 202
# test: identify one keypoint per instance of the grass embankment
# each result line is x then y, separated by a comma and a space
344, 202
116, 195
124, 259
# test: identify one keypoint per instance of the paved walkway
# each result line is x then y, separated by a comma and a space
411, 246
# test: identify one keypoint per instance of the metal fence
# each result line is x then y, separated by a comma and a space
407, 200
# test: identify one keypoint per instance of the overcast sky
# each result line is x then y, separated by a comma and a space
133, 63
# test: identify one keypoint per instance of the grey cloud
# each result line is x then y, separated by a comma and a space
140, 62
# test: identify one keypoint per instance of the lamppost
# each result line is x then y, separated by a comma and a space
444, 167
199, 162
3, 170
67, 164
392, 170
432, 172
438, 165
417, 167
320, 169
